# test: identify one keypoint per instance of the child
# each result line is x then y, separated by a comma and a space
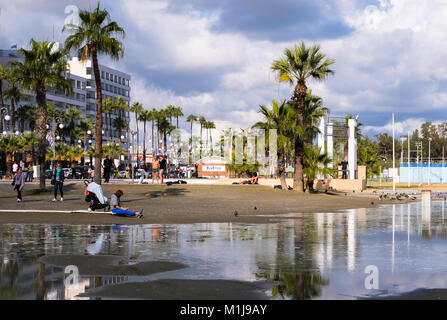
117, 209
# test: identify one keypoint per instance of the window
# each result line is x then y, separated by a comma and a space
119, 80
83, 85
107, 76
89, 70
102, 74
116, 79
114, 89
127, 82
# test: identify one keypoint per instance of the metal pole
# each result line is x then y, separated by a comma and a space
442, 168
429, 161
133, 150
394, 161
408, 138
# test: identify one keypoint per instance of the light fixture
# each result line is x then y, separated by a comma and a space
90, 141
122, 137
61, 126
58, 138
47, 126
79, 141
17, 132
102, 131
7, 117
5, 132
89, 132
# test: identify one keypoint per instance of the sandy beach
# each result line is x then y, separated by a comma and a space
178, 204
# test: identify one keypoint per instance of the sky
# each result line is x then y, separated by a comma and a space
213, 58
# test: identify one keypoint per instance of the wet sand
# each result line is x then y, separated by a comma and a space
110, 265
178, 204
183, 289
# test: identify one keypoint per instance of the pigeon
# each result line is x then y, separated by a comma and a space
235, 213
255, 208
372, 203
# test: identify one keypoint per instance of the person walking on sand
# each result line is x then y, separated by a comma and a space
19, 182
155, 168
163, 166
118, 210
58, 179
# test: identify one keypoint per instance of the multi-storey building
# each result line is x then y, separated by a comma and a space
114, 83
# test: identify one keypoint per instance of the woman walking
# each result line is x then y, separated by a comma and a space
58, 181
18, 183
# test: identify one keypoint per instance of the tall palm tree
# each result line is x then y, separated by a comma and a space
120, 125
136, 109
73, 114
26, 113
202, 122
299, 65
12, 93
170, 112
2, 77
211, 125
278, 118
145, 116
109, 108
96, 35
43, 67
191, 119
178, 112
153, 117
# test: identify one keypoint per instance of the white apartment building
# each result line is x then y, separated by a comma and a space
114, 83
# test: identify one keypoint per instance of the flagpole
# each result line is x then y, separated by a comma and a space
394, 162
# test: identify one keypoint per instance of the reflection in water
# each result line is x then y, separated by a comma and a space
308, 256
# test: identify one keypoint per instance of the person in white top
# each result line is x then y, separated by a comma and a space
15, 166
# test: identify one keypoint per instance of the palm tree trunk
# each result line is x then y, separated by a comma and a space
138, 139
300, 98
152, 136
201, 127
164, 140
41, 131
190, 146
2, 105
144, 143
98, 141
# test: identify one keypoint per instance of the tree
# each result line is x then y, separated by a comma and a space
277, 118
191, 119
73, 114
120, 125
42, 67
11, 143
315, 163
12, 93
299, 65
96, 35
26, 113
202, 122
137, 108
153, 117
2, 77
30, 143
109, 108
145, 116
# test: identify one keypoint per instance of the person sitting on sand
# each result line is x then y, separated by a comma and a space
118, 210
252, 180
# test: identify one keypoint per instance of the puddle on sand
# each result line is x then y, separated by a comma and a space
313, 256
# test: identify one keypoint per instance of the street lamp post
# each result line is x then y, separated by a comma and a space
429, 161
89, 133
6, 117
133, 133
56, 121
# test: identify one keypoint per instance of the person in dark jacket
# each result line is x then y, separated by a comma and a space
58, 179
108, 163
18, 183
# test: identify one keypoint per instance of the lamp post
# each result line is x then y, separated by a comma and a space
56, 123
4, 117
89, 133
418, 145
133, 133
429, 161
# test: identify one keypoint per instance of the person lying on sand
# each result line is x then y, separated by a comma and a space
252, 180
118, 210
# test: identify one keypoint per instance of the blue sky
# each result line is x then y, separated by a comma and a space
212, 58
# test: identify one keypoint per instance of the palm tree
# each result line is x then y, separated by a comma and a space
191, 119
30, 143
315, 163
109, 108
170, 111
26, 113
136, 109
12, 93
11, 143
73, 114
202, 121
95, 35
301, 64
2, 77
114, 149
178, 113
42, 67
211, 125
145, 115
278, 118
152, 117
120, 125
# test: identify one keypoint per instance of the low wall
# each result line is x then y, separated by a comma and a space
340, 184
